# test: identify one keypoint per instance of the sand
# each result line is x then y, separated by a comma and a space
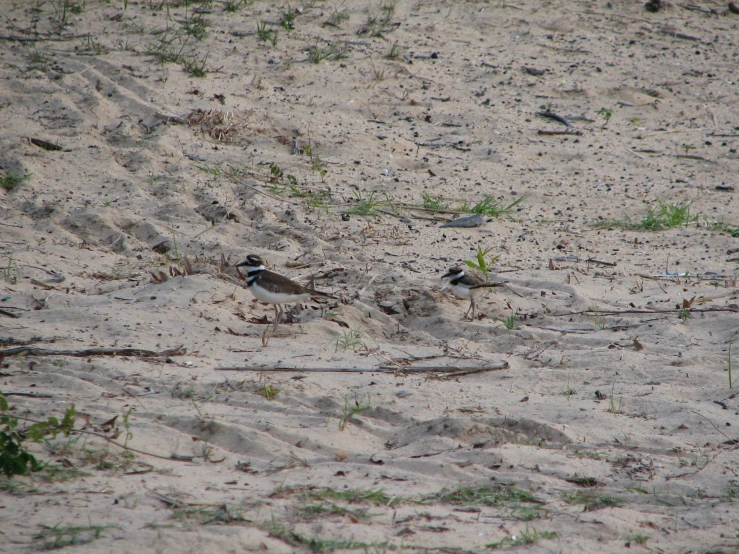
613, 424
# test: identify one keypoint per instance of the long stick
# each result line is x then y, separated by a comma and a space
618, 312
381, 369
137, 352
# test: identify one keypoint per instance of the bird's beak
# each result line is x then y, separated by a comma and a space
241, 264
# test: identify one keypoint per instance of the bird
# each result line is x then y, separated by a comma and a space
273, 288
467, 285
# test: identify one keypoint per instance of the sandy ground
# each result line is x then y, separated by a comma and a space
613, 424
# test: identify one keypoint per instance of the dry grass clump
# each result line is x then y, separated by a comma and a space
219, 125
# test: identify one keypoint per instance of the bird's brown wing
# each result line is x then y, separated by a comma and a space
279, 283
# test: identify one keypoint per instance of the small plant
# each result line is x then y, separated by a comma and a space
528, 537
378, 72
483, 495
612, 402
598, 318
365, 206
234, 5
268, 391
569, 391
684, 314
211, 170
634, 121
14, 457
502, 543
317, 54
317, 166
509, 322
10, 180
396, 51
728, 366
322, 510
605, 113
482, 264
10, 272
349, 339
638, 539
195, 67
127, 426
436, 204
688, 148
266, 35
724, 227
339, 15
665, 216
490, 207
361, 405
287, 18
379, 23
52, 538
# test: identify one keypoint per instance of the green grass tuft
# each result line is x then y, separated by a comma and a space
10, 180
485, 495
490, 207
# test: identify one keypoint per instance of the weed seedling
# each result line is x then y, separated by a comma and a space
509, 322
234, 5
490, 207
14, 457
638, 539
592, 501
379, 23
339, 15
664, 216
10, 180
195, 67
568, 392
684, 314
361, 405
612, 402
318, 167
268, 391
605, 113
598, 318
436, 204
287, 18
317, 54
396, 51
365, 206
483, 495
482, 264
51, 538
10, 273
349, 339
266, 35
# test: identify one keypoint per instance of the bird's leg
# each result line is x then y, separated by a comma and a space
472, 307
278, 315
472, 303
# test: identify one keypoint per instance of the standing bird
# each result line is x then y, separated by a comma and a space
273, 288
466, 285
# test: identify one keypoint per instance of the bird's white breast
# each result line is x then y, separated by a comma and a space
270, 297
461, 292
